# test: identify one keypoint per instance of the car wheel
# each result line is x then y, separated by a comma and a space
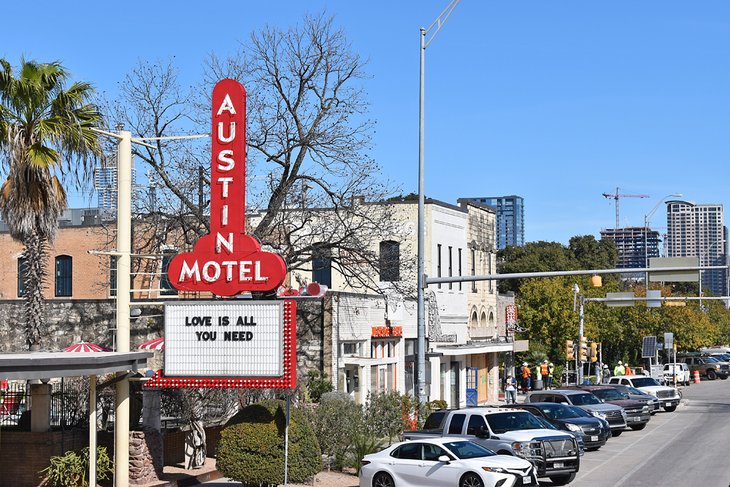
471, 479
562, 479
617, 433
638, 427
670, 409
711, 375
383, 479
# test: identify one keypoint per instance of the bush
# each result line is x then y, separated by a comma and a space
317, 384
251, 447
335, 421
383, 416
72, 468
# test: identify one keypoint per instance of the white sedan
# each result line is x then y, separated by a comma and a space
444, 462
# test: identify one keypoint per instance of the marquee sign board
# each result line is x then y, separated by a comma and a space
228, 343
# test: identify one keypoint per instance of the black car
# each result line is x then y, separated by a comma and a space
595, 431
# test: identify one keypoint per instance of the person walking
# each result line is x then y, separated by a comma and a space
510, 390
526, 376
551, 371
619, 369
627, 369
606, 373
544, 372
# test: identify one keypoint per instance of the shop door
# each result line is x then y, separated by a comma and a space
472, 384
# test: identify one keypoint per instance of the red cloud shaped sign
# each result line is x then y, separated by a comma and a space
227, 262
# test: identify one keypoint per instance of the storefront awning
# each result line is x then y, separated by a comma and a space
47, 365
474, 348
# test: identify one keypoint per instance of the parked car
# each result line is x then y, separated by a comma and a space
709, 367
678, 373
669, 396
554, 453
593, 431
615, 415
638, 413
448, 462
634, 393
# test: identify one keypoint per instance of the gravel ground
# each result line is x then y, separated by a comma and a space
323, 479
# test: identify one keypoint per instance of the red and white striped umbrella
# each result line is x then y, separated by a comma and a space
156, 344
85, 347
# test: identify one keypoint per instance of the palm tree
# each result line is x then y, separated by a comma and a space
45, 131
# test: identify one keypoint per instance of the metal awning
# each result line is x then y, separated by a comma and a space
47, 365
474, 348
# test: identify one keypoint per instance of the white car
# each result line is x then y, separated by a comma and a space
677, 371
444, 462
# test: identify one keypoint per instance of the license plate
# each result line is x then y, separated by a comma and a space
634, 419
594, 438
668, 404
558, 465
526, 480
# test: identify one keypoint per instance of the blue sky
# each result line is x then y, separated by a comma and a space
557, 102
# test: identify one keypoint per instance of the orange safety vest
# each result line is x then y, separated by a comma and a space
544, 369
525, 372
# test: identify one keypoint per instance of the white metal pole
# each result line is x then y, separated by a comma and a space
92, 431
124, 242
421, 311
579, 374
286, 441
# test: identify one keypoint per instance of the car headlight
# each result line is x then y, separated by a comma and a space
494, 469
573, 427
598, 414
521, 449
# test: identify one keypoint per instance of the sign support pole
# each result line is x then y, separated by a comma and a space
286, 440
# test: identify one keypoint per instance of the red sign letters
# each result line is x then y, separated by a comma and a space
227, 262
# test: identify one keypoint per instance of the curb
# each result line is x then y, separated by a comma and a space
189, 481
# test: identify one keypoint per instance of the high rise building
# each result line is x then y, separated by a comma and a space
510, 218
630, 244
105, 183
698, 230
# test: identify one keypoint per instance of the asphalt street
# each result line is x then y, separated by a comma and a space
688, 447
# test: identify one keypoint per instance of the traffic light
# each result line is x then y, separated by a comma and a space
594, 352
583, 349
569, 351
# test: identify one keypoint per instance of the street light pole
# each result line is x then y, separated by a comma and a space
421, 311
647, 217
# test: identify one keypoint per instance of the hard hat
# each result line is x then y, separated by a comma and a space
544, 361
524, 363
550, 363
620, 363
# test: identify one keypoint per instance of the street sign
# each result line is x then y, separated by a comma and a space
653, 300
674, 276
648, 347
620, 299
668, 340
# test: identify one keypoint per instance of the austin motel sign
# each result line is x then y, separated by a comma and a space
228, 343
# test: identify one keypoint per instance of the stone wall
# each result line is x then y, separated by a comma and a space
71, 321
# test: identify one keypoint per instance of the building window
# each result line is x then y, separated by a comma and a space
389, 261
166, 287
21, 276
459, 269
473, 269
489, 271
451, 267
438, 262
113, 275
64, 272
322, 265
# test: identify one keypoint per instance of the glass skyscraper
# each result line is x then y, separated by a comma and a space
510, 218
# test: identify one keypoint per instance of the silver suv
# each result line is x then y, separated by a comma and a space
615, 415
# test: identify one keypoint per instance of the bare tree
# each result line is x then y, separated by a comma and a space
308, 170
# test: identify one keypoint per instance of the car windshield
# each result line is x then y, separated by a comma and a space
468, 449
580, 413
558, 412
583, 399
644, 382
608, 394
514, 420
634, 390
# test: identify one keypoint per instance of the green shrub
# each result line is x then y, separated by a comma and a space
72, 468
383, 416
317, 384
363, 443
251, 447
437, 404
335, 421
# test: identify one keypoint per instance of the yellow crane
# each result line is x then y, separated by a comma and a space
615, 196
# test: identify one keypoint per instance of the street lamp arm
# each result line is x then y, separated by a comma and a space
439, 22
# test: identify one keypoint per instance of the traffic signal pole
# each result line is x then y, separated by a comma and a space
581, 341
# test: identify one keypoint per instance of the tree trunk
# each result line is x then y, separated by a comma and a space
36, 260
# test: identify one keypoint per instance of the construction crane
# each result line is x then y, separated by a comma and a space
615, 196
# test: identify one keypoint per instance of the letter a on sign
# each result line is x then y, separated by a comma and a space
227, 262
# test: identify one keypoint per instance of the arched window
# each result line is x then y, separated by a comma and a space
21, 276
474, 320
491, 318
166, 287
389, 261
483, 319
64, 276
322, 264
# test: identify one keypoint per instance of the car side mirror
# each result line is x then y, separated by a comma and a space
444, 458
482, 432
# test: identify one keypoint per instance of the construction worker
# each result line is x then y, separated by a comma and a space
619, 369
544, 372
526, 377
627, 369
